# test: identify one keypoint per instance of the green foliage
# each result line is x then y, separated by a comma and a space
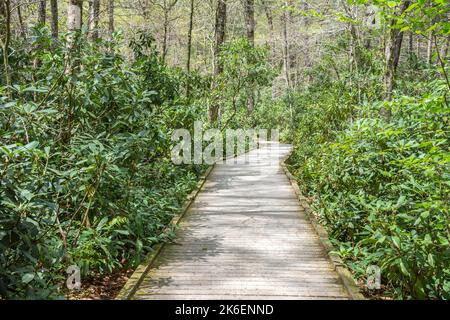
85, 170
246, 71
381, 188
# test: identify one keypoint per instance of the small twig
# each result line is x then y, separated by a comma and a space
52, 88
442, 63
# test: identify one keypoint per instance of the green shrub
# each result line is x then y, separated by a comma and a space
85, 170
382, 190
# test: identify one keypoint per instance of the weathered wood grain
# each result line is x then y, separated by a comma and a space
244, 237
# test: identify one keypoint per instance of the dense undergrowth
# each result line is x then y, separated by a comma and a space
85, 173
380, 186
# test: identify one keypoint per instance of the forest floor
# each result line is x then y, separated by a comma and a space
104, 287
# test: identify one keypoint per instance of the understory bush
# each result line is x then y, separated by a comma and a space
382, 190
85, 172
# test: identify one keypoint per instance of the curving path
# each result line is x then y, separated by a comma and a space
244, 237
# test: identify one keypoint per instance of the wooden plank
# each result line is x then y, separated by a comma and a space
245, 236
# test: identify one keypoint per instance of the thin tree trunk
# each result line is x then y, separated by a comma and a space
74, 15
191, 25
411, 42
393, 50
430, 39
166, 29
55, 18
272, 43
286, 47
269, 17
74, 12
111, 17
430, 47
73, 26
250, 20
23, 33
220, 29
168, 6
94, 13
189, 47
5, 37
250, 26
42, 7
41, 18
418, 47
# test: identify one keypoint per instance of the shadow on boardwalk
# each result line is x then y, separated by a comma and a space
244, 237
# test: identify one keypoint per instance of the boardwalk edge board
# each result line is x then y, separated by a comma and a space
345, 275
142, 270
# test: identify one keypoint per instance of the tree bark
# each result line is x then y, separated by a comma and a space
191, 25
74, 27
42, 7
42, 15
54, 22
250, 26
5, 38
94, 13
250, 20
269, 17
220, 29
418, 47
111, 17
189, 47
286, 64
22, 31
74, 15
166, 28
430, 47
411, 42
167, 8
393, 50
355, 44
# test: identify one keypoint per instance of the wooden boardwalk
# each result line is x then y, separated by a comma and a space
244, 237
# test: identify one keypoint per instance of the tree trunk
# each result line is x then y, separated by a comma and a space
411, 43
74, 12
191, 25
42, 6
74, 15
269, 17
166, 29
220, 29
393, 50
250, 20
250, 26
189, 47
5, 38
111, 17
430, 47
286, 47
272, 43
42, 15
73, 26
418, 47
54, 22
22, 31
94, 13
